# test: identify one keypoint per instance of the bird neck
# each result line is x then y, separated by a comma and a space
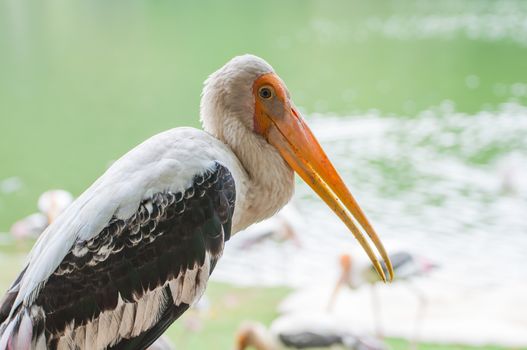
268, 180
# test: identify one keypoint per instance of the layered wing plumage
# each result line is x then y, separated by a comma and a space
122, 287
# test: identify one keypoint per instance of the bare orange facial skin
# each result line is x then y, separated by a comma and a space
261, 107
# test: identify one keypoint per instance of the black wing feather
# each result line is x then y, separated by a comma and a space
147, 338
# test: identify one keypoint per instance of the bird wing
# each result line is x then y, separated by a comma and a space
122, 286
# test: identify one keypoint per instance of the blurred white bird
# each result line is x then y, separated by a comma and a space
406, 266
50, 205
282, 227
300, 331
511, 174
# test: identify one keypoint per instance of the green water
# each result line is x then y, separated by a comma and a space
81, 82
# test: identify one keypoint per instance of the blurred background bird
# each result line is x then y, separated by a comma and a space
50, 204
406, 265
288, 332
283, 227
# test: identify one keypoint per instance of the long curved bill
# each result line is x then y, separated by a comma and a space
301, 150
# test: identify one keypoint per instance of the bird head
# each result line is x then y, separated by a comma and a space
247, 95
253, 334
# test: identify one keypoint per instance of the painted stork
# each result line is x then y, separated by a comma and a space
136, 249
294, 333
406, 266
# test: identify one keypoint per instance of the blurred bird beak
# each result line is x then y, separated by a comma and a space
288, 132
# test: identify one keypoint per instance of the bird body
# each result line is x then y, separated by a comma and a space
136, 249
166, 163
303, 331
29, 227
282, 228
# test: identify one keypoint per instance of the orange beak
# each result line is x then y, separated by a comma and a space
291, 136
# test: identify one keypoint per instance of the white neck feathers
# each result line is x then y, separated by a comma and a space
227, 110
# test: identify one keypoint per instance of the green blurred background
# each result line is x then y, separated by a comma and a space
81, 82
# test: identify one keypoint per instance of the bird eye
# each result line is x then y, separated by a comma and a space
265, 92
